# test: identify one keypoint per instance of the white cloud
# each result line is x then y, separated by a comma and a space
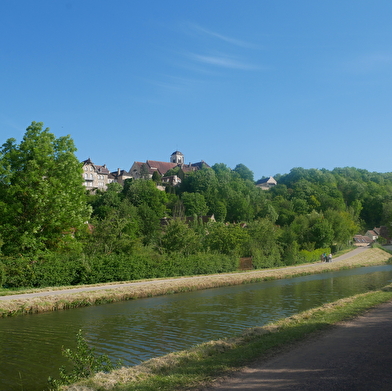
222, 61
233, 41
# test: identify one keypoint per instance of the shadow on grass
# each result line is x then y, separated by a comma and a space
212, 363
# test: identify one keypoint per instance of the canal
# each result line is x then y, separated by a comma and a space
134, 331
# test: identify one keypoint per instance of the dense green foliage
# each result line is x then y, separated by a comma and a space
42, 201
138, 231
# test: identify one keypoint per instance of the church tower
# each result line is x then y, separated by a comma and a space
177, 157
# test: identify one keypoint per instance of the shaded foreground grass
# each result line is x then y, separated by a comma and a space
135, 290
199, 366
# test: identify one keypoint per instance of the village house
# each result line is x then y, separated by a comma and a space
98, 177
362, 241
266, 183
95, 176
120, 176
372, 235
147, 169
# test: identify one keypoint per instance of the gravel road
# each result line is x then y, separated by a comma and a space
354, 355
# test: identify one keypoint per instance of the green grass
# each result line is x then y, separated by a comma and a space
197, 366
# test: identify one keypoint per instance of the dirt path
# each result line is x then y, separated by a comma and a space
354, 355
60, 291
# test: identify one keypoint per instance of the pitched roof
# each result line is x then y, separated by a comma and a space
102, 169
266, 180
161, 167
362, 239
200, 165
119, 173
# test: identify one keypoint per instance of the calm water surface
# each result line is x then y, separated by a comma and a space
134, 331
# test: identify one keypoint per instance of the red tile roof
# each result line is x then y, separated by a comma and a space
161, 167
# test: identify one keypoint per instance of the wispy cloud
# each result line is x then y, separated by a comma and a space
175, 84
222, 61
225, 38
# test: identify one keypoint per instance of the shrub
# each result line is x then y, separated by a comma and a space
2, 274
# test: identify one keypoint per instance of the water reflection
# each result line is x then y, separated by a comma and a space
134, 331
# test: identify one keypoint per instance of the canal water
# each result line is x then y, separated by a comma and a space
134, 331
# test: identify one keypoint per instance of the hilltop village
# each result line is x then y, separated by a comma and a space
98, 177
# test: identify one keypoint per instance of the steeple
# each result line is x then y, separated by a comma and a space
177, 157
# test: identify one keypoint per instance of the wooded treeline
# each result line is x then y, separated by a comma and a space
53, 233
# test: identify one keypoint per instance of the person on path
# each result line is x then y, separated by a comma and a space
330, 258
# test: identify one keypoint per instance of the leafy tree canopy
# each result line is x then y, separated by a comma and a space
244, 172
43, 203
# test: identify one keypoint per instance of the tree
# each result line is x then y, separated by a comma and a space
142, 191
178, 237
156, 177
244, 172
343, 225
194, 204
43, 203
103, 202
263, 244
116, 231
227, 239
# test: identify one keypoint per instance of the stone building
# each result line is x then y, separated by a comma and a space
95, 176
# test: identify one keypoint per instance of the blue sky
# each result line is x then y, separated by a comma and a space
272, 84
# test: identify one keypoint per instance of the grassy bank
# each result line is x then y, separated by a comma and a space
134, 290
197, 367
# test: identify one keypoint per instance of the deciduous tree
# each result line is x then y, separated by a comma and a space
43, 202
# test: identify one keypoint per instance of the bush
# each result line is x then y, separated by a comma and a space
261, 260
85, 363
313, 256
2, 274
51, 269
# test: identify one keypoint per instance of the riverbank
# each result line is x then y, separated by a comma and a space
59, 299
205, 365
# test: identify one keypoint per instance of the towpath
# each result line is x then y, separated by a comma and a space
354, 355
57, 292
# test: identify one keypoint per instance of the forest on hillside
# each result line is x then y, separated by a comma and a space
54, 233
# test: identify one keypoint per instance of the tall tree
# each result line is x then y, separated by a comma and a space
244, 172
195, 204
42, 196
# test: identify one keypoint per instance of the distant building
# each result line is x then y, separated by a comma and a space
362, 241
173, 180
373, 234
95, 176
98, 177
120, 176
177, 157
382, 231
147, 169
266, 183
